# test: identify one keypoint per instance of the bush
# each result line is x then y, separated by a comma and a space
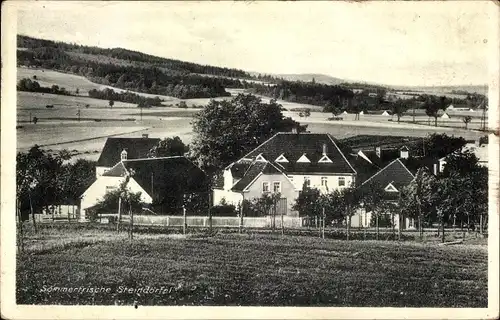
224, 210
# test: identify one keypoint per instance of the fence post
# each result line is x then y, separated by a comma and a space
119, 214
241, 218
323, 224
184, 226
168, 224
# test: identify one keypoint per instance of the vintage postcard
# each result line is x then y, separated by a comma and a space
241, 160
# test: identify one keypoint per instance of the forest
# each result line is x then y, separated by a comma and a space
130, 97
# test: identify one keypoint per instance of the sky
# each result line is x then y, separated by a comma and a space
393, 43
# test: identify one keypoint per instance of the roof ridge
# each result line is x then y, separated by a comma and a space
156, 158
340, 151
383, 170
260, 145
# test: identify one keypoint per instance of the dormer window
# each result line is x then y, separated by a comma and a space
123, 155
325, 159
303, 158
260, 158
281, 158
391, 188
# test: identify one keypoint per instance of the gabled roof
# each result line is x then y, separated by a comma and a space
294, 145
395, 173
386, 156
256, 169
162, 177
251, 173
239, 168
136, 148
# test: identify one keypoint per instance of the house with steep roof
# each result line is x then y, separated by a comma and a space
112, 152
285, 163
161, 182
392, 178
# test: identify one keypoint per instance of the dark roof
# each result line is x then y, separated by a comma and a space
239, 168
161, 177
136, 148
386, 156
252, 172
363, 168
395, 173
294, 145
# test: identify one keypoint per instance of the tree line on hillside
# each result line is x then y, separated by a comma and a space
152, 80
29, 85
127, 96
129, 55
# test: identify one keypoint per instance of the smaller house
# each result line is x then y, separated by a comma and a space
361, 113
161, 182
345, 112
387, 113
445, 116
392, 178
112, 151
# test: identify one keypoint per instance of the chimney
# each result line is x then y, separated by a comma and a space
145, 135
123, 155
378, 152
324, 149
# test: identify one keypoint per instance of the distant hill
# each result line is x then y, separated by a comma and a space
308, 77
482, 89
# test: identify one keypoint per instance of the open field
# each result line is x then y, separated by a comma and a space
58, 128
71, 82
248, 269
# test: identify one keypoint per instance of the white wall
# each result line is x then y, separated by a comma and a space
99, 171
332, 181
230, 196
104, 184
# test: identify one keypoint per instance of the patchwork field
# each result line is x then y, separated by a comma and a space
248, 269
58, 128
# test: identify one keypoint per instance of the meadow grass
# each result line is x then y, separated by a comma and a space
248, 269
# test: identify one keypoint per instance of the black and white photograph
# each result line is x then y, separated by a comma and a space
335, 155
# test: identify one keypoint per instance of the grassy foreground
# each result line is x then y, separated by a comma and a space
249, 269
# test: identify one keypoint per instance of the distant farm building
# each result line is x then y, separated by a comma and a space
452, 107
361, 113
445, 116
386, 113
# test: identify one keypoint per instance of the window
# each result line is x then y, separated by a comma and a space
324, 181
341, 182
307, 181
276, 186
265, 187
110, 188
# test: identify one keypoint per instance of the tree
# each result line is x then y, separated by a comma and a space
120, 198
225, 130
309, 203
373, 199
460, 163
38, 177
398, 108
432, 106
341, 206
169, 147
440, 145
418, 197
77, 91
111, 103
466, 120
76, 178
